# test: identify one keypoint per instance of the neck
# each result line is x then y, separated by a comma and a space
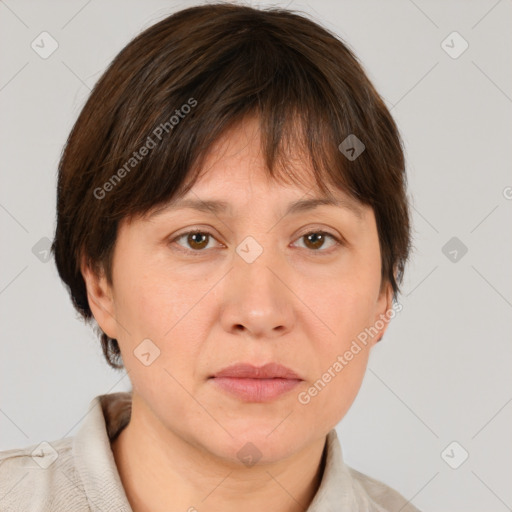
160, 470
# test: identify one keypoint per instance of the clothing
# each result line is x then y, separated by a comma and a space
79, 473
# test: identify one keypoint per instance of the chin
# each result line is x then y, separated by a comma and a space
255, 446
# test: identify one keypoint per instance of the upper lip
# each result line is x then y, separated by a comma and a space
249, 371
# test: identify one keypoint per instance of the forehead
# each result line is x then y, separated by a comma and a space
231, 185
233, 175
234, 167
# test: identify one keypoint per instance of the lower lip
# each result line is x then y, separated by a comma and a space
256, 390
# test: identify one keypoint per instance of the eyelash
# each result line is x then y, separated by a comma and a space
318, 252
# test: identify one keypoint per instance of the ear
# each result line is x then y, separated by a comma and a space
382, 312
100, 297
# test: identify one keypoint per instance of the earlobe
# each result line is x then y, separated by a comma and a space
383, 314
100, 298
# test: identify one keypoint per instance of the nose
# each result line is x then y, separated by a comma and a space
258, 300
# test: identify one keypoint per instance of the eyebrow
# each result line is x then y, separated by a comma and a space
217, 206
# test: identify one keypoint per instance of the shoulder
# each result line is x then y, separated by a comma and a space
41, 477
73, 473
378, 495
343, 487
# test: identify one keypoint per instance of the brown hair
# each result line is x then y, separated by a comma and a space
178, 86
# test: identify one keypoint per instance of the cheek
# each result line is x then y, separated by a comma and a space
153, 308
329, 396
355, 300
166, 308
149, 298
347, 307
145, 305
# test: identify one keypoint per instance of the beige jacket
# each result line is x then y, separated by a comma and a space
79, 474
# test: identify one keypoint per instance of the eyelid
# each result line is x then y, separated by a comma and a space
318, 229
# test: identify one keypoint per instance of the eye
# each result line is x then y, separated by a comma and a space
315, 240
197, 240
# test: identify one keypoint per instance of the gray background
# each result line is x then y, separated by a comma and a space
443, 370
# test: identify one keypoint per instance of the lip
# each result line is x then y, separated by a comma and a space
249, 371
256, 384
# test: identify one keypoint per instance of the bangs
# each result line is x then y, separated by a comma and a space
299, 119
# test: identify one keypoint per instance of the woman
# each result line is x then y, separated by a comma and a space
232, 214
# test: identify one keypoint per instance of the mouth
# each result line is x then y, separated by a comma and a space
256, 384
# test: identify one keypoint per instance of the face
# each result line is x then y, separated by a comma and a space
257, 284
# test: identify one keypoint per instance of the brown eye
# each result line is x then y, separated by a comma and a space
316, 240
195, 241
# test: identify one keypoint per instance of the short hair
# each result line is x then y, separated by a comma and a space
182, 83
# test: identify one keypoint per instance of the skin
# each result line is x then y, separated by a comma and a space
298, 304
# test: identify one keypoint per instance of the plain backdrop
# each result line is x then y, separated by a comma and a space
439, 384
